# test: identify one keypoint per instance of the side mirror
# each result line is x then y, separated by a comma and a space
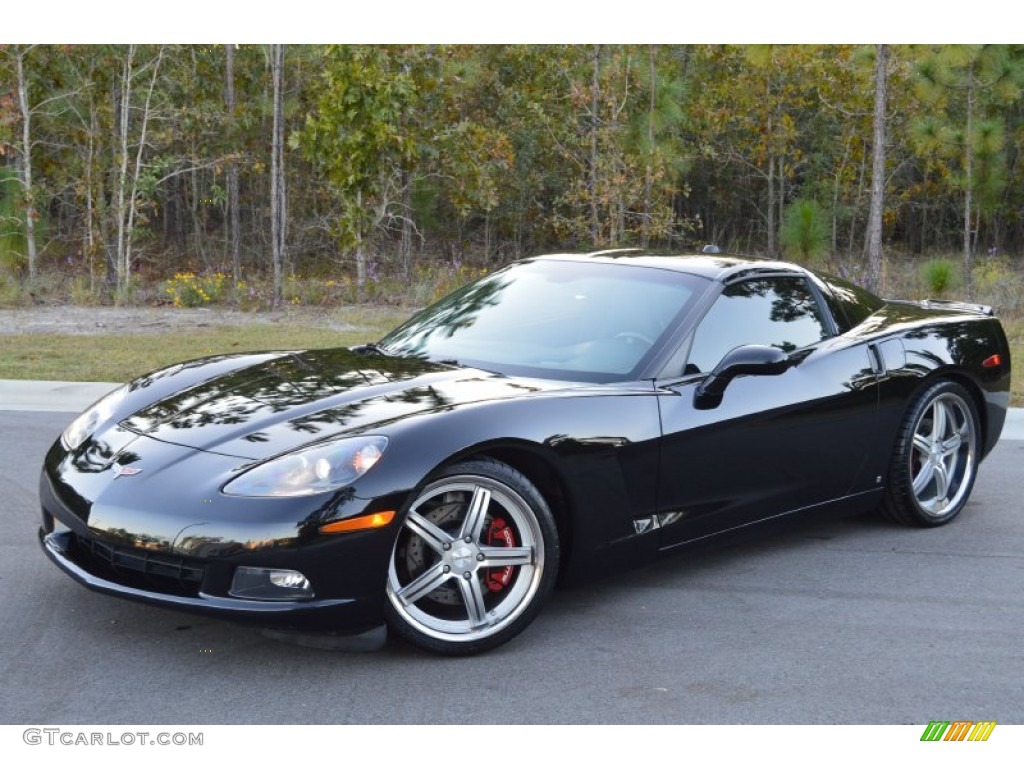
748, 360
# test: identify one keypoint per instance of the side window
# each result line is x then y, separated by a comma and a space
779, 312
852, 305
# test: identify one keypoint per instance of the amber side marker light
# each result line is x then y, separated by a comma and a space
992, 362
365, 522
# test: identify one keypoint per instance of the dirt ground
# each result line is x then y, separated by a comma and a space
154, 320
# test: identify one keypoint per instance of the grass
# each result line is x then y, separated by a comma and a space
116, 358
1014, 327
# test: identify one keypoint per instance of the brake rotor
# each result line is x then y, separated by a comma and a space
418, 556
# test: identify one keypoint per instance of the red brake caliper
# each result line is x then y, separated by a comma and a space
499, 535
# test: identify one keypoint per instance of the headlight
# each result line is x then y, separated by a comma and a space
317, 469
86, 423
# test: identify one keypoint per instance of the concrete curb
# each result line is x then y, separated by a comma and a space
67, 396
76, 396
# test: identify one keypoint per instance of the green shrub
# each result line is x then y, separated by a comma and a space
12, 292
317, 292
938, 275
805, 231
187, 289
82, 292
999, 283
12, 231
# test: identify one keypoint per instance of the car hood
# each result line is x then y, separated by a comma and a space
296, 398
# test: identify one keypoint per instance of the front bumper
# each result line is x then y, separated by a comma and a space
162, 539
60, 548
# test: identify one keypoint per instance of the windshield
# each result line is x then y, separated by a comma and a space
586, 321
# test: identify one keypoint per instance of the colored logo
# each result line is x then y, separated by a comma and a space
958, 730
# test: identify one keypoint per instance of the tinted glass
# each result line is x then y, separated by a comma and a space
777, 312
567, 320
852, 304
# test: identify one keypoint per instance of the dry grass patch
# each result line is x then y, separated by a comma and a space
113, 355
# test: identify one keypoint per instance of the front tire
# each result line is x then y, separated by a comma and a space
936, 458
476, 556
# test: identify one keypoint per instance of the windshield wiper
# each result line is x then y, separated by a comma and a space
378, 349
374, 347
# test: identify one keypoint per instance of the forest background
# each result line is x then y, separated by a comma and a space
262, 176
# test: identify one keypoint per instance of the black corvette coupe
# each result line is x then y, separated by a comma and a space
560, 418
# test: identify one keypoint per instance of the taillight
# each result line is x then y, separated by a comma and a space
992, 361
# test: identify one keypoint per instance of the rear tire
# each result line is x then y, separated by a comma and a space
935, 461
476, 557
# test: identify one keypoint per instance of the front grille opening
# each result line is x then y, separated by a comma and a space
139, 568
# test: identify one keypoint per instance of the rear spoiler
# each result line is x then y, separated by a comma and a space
981, 309
957, 306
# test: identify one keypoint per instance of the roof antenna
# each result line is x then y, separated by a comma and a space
711, 249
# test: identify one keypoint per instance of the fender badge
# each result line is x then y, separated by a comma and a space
120, 469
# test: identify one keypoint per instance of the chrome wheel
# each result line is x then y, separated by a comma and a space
472, 560
936, 457
943, 458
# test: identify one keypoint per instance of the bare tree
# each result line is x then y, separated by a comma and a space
645, 227
233, 216
277, 188
874, 233
25, 167
595, 95
129, 170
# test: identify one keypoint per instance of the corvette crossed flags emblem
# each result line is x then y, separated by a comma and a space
120, 469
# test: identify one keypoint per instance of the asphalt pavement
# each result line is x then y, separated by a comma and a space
851, 621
